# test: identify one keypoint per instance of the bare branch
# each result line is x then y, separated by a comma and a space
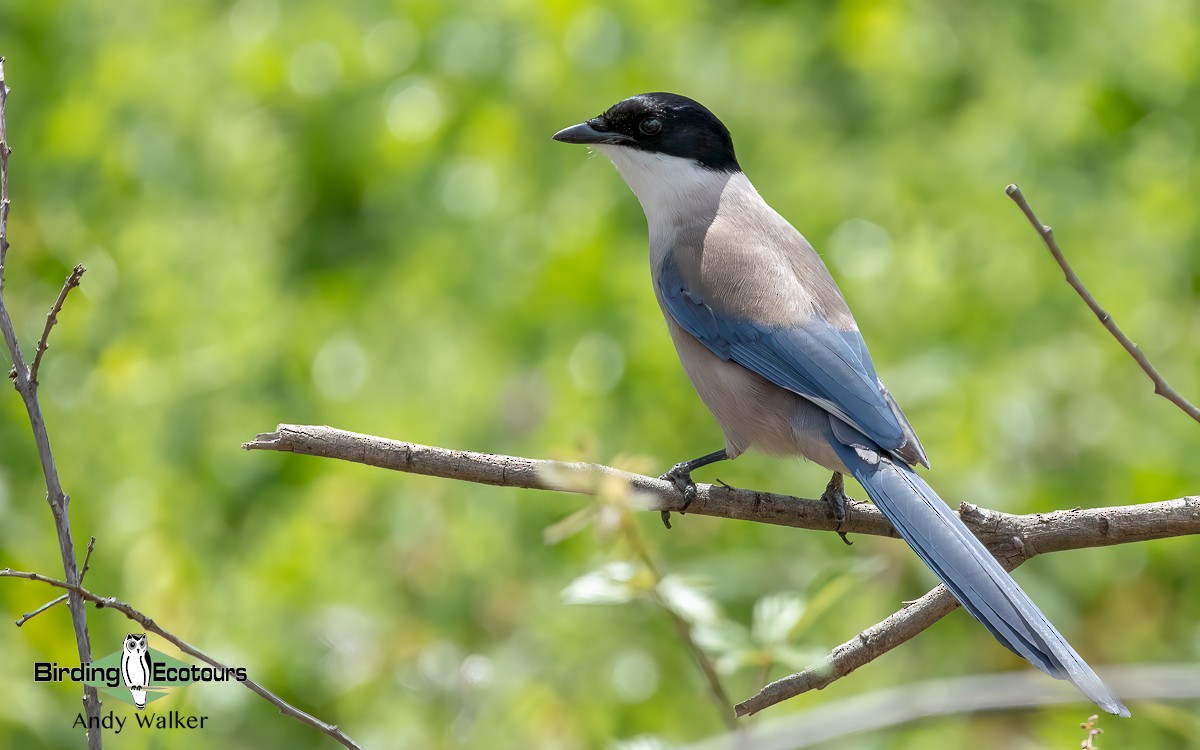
87, 561
30, 615
563, 476
1161, 387
151, 626
863, 648
1012, 538
55, 497
52, 318
4, 153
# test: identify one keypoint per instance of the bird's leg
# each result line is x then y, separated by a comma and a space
681, 476
835, 496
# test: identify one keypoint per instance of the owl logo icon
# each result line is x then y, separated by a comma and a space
135, 667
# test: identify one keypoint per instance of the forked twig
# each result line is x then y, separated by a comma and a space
151, 626
87, 563
56, 497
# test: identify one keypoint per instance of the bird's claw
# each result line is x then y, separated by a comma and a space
835, 496
682, 479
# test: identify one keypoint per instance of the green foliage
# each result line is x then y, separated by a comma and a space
352, 213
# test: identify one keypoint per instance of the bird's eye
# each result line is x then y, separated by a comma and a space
650, 125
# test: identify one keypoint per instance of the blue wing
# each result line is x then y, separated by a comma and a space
829, 367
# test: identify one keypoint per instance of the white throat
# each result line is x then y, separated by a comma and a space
670, 188
680, 197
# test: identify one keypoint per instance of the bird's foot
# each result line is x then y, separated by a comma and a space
681, 476
835, 496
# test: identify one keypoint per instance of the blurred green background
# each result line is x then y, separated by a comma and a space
353, 214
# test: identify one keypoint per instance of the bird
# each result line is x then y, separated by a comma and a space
135, 667
770, 346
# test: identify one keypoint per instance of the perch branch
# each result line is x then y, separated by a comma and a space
1009, 536
151, 626
1012, 538
55, 497
1161, 387
562, 476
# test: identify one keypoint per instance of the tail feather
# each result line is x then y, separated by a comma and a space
971, 573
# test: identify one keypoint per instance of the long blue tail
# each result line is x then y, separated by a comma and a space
971, 573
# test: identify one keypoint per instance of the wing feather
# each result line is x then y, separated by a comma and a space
829, 367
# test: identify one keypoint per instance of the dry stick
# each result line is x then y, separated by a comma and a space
52, 318
1012, 538
1161, 387
27, 387
4, 153
25, 380
564, 476
865, 647
87, 563
150, 625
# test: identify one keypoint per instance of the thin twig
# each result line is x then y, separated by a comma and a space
4, 152
863, 648
57, 499
52, 318
150, 625
30, 615
1011, 538
1161, 387
87, 561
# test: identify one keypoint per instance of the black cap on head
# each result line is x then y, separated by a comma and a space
661, 123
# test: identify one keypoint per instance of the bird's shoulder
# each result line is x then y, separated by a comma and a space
750, 261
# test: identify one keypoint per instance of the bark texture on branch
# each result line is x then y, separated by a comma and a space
25, 381
1012, 538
